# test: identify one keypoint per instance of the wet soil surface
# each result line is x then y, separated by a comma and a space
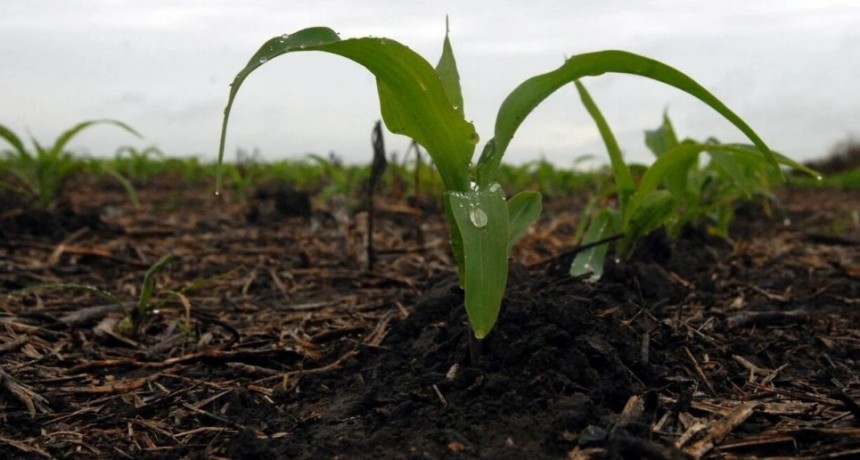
273, 339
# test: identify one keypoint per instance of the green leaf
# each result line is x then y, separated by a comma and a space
678, 179
60, 143
662, 138
655, 210
413, 100
449, 75
591, 260
752, 150
739, 174
620, 171
125, 183
13, 140
523, 211
148, 285
482, 219
670, 162
520, 103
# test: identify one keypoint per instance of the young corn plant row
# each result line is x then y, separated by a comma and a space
675, 190
42, 172
426, 104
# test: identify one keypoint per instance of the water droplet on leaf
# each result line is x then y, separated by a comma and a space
263, 60
478, 217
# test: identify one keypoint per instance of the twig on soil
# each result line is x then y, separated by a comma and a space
767, 318
700, 373
318, 370
220, 355
87, 315
440, 396
849, 402
24, 447
722, 428
217, 418
27, 396
795, 394
375, 338
125, 386
14, 344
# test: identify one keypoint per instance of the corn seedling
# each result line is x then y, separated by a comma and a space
675, 190
130, 325
425, 103
139, 166
42, 172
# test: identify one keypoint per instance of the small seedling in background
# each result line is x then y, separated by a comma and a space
42, 173
426, 104
139, 166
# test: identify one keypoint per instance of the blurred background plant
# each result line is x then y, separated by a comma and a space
39, 175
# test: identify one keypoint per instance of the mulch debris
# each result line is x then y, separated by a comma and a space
271, 338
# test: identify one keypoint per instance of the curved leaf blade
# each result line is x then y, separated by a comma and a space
520, 103
620, 171
67, 136
412, 98
9, 136
747, 149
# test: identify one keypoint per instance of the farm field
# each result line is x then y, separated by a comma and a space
268, 335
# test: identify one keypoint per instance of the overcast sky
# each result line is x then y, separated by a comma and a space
791, 68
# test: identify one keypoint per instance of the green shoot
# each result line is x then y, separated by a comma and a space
426, 104
130, 325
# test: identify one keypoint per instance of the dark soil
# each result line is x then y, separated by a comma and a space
272, 340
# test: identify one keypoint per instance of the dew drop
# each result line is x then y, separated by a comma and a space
495, 187
478, 217
263, 60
